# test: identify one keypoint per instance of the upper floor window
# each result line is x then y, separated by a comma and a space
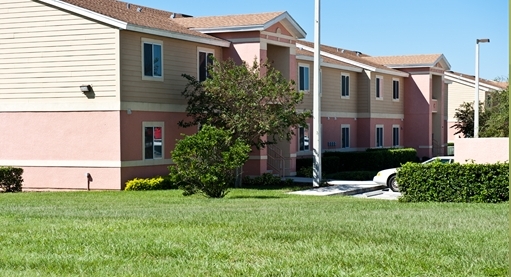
152, 59
379, 87
395, 89
345, 85
303, 78
205, 61
303, 136
345, 136
379, 135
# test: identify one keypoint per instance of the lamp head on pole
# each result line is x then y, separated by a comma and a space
482, 40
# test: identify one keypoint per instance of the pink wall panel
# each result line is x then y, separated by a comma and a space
70, 178
481, 150
131, 132
59, 136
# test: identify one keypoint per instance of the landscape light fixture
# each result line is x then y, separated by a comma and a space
86, 88
476, 102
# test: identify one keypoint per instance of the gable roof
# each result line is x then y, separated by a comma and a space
126, 16
469, 80
303, 55
350, 57
407, 61
241, 23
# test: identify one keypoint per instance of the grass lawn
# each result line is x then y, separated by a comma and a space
248, 233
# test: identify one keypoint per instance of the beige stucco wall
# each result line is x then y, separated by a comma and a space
47, 53
481, 150
386, 105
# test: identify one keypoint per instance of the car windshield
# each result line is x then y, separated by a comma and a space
442, 160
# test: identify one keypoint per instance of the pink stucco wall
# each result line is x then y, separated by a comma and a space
59, 136
481, 150
70, 178
58, 149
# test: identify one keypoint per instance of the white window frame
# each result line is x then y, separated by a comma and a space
394, 128
153, 124
379, 126
378, 87
343, 127
394, 81
346, 77
308, 148
152, 42
207, 51
306, 90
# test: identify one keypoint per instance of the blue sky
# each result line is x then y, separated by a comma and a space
388, 27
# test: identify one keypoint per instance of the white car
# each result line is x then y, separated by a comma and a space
387, 177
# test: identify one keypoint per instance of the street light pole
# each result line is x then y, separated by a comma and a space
476, 102
316, 109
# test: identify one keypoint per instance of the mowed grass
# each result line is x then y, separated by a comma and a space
248, 233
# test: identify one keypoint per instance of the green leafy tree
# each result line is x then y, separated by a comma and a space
206, 161
464, 116
256, 103
497, 123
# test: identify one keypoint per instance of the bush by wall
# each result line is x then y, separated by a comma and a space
155, 183
11, 179
266, 180
369, 160
484, 183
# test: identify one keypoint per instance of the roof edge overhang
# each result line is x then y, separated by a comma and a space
288, 22
465, 81
330, 65
358, 64
131, 27
168, 34
86, 13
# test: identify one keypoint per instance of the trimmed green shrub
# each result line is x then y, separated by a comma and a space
155, 183
483, 183
11, 179
266, 180
206, 161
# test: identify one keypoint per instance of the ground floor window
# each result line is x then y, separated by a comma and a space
379, 135
303, 136
345, 136
153, 140
395, 135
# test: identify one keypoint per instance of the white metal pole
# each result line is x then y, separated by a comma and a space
476, 102
316, 143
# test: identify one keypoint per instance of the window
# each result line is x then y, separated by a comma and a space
205, 61
395, 89
395, 135
303, 78
379, 135
303, 135
345, 85
379, 87
152, 59
153, 140
345, 136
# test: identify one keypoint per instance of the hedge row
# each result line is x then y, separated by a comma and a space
155, 183
369, 160
484, 183
10, 179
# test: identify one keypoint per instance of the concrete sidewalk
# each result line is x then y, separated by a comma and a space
338, 187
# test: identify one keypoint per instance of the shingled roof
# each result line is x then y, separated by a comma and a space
353, 58
135, 16
300, 54
461, 77
424, 60
241, 22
